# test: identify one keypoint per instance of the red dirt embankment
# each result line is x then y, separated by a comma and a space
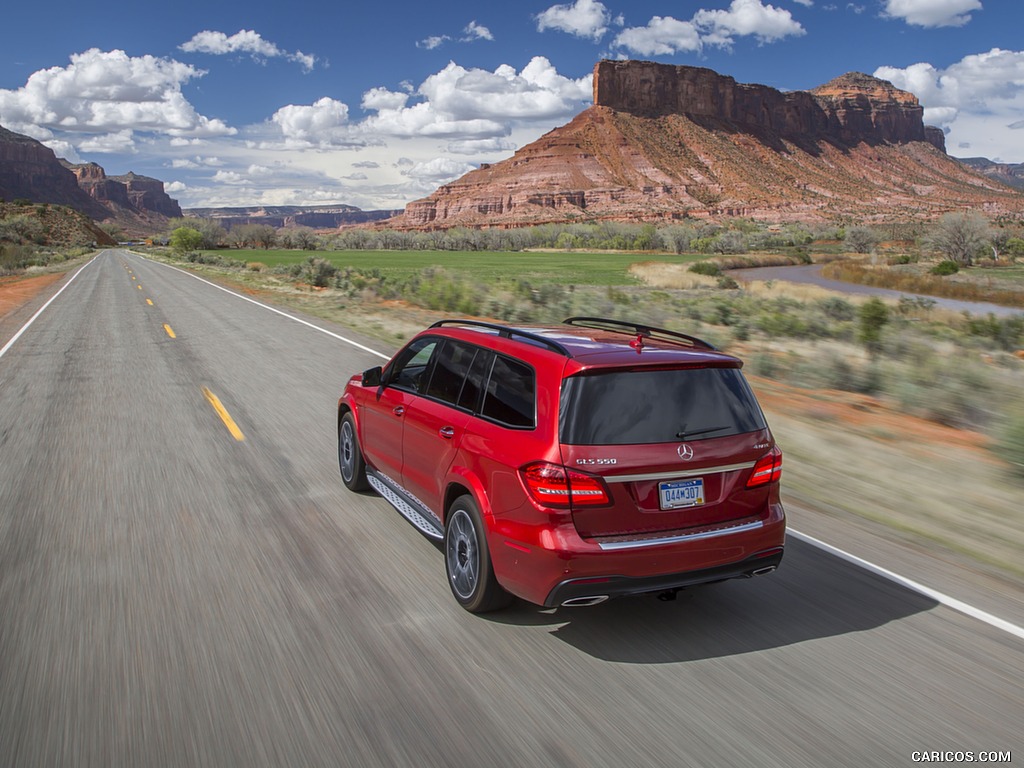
17, 291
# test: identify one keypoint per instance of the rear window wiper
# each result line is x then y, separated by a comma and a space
690, 433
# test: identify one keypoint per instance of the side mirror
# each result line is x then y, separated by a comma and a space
372, 377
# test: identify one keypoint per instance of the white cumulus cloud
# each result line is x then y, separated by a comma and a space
438, 171
322, 124
481, 146
103, 99
665, 35
584, 18
432, 42
474, 31
460, 103
932, 13
976, 100
244, 41
662, 36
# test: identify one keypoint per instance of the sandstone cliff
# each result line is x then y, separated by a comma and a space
1011, 174
664, 142
31, 171
313, 216
141, 193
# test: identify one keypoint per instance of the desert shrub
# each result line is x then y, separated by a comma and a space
836, 308
14, 258
318, 272
944, 268
945, 390
709, 268
912, 305
833, 370
781, 323
861, 239
727, 283
441, 290
873, 314
1009, 444
1006, 332
1014, 247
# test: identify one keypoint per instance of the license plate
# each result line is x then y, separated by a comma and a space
681, 493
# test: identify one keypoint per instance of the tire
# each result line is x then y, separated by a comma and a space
350, 456
467, 560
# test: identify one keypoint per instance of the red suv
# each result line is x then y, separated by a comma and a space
568, 464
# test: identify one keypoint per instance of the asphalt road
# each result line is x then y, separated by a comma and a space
173, 595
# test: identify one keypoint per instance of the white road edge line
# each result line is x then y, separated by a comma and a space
949, 602
32, 319
946, 600
272, 309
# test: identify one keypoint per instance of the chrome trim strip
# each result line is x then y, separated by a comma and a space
677, 473
614, 545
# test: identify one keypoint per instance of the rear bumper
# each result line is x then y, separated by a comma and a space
588, 589
549, 565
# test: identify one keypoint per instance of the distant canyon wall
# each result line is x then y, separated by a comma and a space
850, 109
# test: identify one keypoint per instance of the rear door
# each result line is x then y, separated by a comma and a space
675, 447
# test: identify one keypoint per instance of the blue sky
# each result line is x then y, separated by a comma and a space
377, 104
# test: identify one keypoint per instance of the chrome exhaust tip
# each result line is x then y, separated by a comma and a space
763, 571
581, 602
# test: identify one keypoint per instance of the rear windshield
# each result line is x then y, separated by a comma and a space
629, 407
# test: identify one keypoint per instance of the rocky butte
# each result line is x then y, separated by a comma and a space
29, 170
665, 142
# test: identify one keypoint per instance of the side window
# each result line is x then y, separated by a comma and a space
409, 371
452, 362
511, 394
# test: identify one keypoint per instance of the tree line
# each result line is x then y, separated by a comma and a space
960, 238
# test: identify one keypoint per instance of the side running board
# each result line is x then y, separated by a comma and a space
424, 521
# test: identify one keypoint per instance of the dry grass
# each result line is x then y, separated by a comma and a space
931, 483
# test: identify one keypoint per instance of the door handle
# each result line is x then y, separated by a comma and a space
398, 410
446, 432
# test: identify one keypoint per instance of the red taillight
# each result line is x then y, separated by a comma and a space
768, 469
552, 485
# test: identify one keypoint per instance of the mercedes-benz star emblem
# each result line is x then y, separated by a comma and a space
685, 452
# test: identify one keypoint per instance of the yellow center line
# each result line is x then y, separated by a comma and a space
169, 331
150, 302
139, 287
224, 415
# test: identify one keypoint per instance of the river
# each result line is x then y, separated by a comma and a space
811, 274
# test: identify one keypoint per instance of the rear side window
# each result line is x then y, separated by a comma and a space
662, 406
511, 394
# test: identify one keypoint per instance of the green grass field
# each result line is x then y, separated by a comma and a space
1014, 273
487, 266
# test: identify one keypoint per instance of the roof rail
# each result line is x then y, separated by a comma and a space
508, 333
620, 326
